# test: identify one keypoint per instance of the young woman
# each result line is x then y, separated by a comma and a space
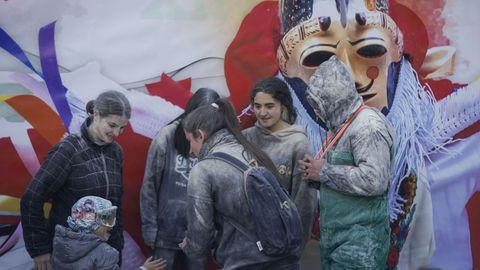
89, 163
164, 190
284, 142
215, 192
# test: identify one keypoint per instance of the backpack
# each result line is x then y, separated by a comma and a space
278, 227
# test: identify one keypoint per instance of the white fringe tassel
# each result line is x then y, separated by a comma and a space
415, 117
460, 109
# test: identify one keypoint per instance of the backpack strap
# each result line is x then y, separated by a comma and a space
339, 134
239, 227
235, 162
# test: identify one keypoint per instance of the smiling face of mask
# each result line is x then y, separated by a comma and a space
368, 44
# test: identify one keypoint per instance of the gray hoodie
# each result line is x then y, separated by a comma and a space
285, 147
215, 191
369, 139
163, 194
354, 220
81, 251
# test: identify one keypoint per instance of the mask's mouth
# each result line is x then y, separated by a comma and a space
367, 97
364, 89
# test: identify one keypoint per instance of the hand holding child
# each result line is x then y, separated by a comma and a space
42, 262
151, 264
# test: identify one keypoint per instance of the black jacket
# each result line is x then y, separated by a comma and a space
74, 168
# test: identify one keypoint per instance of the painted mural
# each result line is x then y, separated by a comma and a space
415, 60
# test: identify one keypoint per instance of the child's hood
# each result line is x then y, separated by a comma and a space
70, 246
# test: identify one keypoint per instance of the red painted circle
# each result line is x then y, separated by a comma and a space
372, 73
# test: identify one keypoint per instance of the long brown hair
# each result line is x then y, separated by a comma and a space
202, 96
218, 115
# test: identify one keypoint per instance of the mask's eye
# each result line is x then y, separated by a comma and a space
371, 51
316, 58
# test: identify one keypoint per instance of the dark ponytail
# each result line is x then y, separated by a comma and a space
202, 96
218, 115
89, 107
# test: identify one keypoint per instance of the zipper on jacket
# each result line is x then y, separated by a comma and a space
106, 175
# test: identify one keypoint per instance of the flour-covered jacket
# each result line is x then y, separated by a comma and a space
74, 168
355, 178
285, 147
82, 251
163, 194
215, 192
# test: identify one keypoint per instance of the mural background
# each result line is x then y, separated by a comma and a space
158, 52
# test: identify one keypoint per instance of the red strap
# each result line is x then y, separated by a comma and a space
339, 133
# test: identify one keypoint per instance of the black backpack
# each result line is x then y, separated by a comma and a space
278, 227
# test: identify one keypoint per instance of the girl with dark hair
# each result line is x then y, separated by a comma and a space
284, 142
164, 189
215, 192
89, 163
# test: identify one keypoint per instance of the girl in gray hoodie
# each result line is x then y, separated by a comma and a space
216, 196
284, 142
164, 190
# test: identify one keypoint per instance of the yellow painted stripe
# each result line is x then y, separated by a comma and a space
4, 98
12, 205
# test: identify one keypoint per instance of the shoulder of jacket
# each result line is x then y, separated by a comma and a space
106, 255
72, 143
166, 133
374, 120
300, 132
249, 130
368, 115
117, 148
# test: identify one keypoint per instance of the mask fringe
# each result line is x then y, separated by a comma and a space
415, 116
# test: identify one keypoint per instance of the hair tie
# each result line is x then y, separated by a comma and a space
215, 105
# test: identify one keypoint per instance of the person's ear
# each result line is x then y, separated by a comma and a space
201, 135
96, 115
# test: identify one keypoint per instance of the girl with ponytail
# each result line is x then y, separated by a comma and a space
163, 194
215, 192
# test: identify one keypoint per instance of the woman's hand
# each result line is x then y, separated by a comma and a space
151, 264
310, 167
42, 262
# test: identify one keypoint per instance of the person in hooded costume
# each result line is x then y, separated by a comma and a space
354, 177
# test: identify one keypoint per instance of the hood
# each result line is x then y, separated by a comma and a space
331, 93
221, 136
281, 134
70, 246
